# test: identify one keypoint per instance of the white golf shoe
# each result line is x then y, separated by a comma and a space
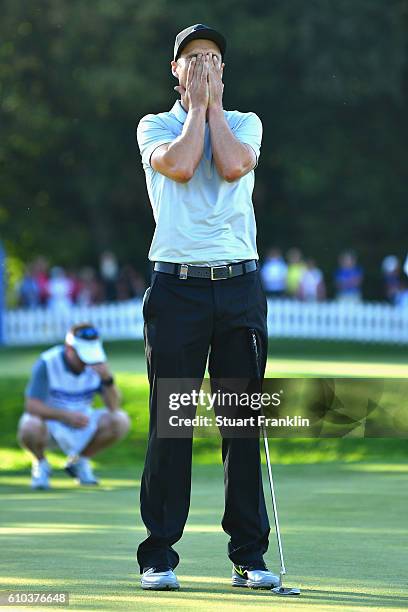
40, 475
81, 470
159, 579
247, 576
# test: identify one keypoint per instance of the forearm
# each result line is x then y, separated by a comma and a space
185, 152
111, 397
232, 158
42, 410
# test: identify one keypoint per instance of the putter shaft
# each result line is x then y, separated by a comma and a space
274, 506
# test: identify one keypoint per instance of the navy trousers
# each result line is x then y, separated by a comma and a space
187, 322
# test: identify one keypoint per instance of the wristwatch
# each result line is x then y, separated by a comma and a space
107, 382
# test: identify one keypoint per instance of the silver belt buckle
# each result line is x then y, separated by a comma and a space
183, 271
220, 268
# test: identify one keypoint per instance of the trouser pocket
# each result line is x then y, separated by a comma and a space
147, 296
254, 347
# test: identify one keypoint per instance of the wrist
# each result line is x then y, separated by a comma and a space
198, 109
215, 109
107, 381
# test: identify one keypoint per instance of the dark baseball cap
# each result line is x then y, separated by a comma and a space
193, 32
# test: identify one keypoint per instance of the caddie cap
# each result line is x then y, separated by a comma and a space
193, 32
87, 343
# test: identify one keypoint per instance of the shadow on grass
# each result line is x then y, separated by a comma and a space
357, 598
75, 537
16, 481
213, 592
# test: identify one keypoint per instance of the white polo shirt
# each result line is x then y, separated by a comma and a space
206, 221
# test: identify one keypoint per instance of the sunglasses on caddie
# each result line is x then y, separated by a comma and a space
87, 333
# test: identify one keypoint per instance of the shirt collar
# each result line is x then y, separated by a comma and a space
178, 111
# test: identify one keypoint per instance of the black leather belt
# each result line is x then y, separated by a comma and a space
184, 271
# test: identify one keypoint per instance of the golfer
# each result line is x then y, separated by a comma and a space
205, 299
59, 413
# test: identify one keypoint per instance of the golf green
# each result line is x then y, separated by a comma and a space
344, 529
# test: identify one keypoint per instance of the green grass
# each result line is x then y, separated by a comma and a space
344, 530
344, 523
131, 450
287, 358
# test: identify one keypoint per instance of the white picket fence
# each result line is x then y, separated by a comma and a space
118, 321
369, 322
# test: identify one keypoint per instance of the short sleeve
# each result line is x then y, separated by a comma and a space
249, 131
37, 387
151, 133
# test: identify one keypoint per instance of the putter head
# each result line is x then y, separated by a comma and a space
280, 590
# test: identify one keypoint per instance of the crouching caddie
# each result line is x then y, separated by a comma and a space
58, 407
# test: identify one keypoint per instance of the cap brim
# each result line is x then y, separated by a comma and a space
89, 351
203, 34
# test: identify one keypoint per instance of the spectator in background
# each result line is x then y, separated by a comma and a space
406, 266
296, 268
59, 290
348, 278
130, 284
274, 273
391, 270
311, 286
109, 271
40, 271
75, 283
402, 296
401, 299
28, 290
90, 290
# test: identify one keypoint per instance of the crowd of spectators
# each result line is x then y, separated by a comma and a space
300, 278
292, 276
57, 288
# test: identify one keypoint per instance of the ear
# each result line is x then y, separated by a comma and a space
174, 67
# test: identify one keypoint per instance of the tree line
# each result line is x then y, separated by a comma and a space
329, 81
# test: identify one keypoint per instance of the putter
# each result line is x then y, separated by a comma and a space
280, 589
